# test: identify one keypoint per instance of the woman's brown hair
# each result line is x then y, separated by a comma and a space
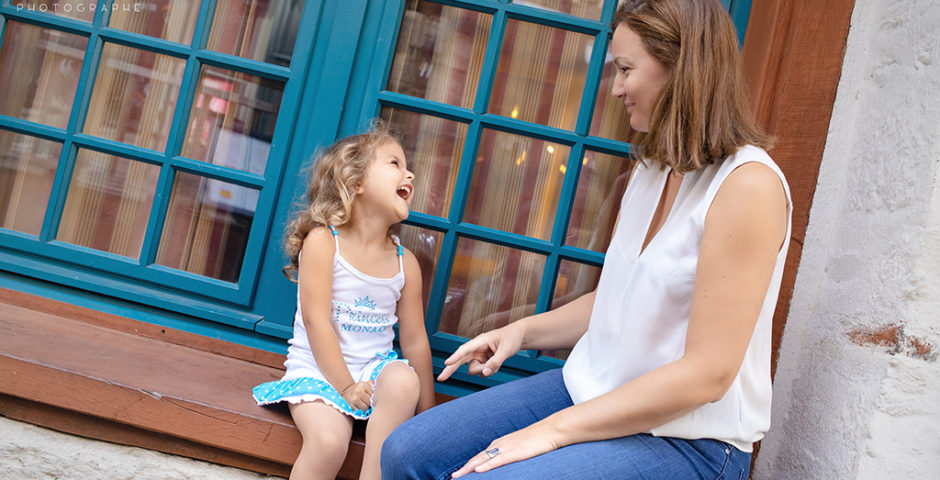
334, 179
703, 112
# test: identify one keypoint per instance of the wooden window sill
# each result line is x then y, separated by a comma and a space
111, 378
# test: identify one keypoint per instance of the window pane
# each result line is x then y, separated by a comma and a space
581, 8
433, 147
574, 279
78, 9
207, 226
108, 203
490, 286
134, 96
597, 201
439, 53
263, 30
39, 70
610, 119
541, 73
232, 119
27, 169
426, 246
172, 20
516, 183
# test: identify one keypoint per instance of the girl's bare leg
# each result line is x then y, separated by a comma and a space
326, 432
394, 401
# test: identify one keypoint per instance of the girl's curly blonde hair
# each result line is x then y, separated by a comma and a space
335, 176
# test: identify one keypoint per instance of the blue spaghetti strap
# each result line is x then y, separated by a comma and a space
401, 253
335, 237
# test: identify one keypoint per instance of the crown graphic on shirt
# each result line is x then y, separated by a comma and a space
365, 302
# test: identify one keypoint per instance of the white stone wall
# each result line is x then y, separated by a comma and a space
35, 453
857, 388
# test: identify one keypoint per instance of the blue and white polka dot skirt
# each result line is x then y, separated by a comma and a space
307, 389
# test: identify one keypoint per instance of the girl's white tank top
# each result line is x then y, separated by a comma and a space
363, 314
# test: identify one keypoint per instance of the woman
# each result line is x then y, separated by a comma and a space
670, 372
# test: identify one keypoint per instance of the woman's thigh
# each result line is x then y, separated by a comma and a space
439, 441
639, 456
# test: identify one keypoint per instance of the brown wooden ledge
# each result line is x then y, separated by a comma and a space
107, 377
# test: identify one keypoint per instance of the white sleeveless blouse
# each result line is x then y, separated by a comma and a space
642, 304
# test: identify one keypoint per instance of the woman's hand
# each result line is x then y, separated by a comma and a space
358, 395
485, 353
529, 442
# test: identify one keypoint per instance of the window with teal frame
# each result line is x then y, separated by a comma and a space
151, 153
143, 144
519, 154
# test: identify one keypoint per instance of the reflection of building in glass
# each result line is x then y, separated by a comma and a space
232, 119
107, 200
517, 180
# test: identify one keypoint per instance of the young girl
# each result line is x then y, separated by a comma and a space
354, 281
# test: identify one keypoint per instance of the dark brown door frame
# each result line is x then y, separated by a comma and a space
793, 53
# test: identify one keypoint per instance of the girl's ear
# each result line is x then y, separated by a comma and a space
359, 188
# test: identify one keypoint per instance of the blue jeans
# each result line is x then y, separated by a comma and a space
439, 441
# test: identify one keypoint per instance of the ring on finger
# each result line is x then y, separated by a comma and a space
492, 453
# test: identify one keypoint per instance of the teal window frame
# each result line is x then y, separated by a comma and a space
333, 86
142, 280
372, 79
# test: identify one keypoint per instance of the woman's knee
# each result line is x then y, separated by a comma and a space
393, 447
400, 457
398, 384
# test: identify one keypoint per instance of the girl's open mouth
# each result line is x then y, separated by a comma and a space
405, 191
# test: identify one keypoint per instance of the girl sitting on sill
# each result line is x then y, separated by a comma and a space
354, 282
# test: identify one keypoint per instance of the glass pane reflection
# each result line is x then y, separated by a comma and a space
206, 227
597, 201
439, 53
433, 147
27, 169
574, 279
134, 96
263, 30
516, 183
541, 73
426, 246
232, 119
490, 286
39, 70
172, 20
581, 8
108, 203
610, 119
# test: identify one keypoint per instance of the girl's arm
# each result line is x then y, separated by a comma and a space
315, 287
411, 333
744, 231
